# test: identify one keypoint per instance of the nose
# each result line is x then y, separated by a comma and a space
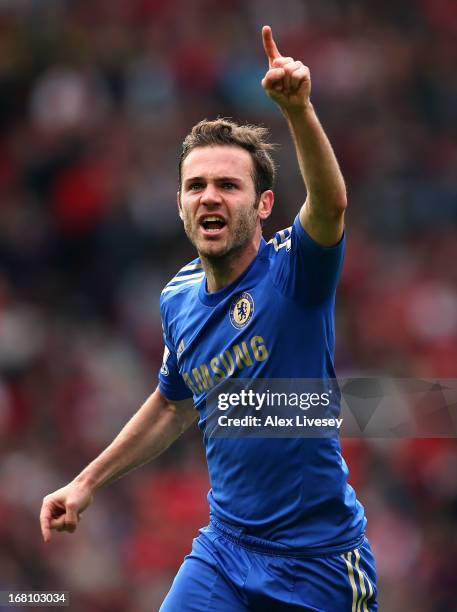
210, 196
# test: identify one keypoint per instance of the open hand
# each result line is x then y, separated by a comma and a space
287, 82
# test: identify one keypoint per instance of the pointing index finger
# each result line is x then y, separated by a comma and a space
45, 519
271, 50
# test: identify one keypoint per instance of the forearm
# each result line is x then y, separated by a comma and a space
149, 432
288, 83
318, 164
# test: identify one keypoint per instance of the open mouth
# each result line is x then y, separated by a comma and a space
212, 224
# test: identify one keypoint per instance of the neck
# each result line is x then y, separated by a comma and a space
221, 271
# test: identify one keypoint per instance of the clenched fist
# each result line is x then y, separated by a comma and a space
62, 509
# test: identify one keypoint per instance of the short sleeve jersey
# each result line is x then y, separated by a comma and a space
292, 491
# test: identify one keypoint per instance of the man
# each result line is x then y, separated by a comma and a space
286, 531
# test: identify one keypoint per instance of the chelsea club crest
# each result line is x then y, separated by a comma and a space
241, 310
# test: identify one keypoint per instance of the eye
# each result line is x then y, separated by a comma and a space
228, 185
195, 186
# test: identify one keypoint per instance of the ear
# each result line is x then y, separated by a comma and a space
265, 204
178, 201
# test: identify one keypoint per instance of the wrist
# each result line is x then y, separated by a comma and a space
294, 113
87, 480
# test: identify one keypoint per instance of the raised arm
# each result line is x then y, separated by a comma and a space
288, 83
149, 432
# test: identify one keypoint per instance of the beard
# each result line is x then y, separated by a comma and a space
240, 230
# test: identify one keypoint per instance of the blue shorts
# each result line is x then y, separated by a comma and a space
228, 571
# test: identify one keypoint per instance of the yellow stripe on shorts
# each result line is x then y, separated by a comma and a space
355, 594
361, 605
365, 597
357, 575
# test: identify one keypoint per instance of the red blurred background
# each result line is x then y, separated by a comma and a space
95, 99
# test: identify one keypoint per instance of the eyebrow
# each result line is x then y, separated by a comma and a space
219, 179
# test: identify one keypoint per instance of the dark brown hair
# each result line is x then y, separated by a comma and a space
252, 138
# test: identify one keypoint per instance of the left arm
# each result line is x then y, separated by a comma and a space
288, 83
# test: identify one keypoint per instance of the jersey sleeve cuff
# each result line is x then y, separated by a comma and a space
173, 394
304, 237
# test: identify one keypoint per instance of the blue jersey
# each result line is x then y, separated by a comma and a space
292, 491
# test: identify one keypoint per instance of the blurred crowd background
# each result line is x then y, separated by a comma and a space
95, 99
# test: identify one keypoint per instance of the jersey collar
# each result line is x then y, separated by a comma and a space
212, 299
